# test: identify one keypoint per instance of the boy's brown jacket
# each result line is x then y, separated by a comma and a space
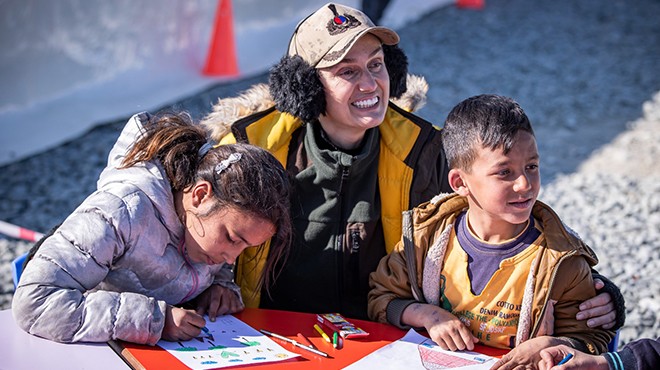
562, 278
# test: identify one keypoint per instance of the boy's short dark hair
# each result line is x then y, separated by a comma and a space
491, 121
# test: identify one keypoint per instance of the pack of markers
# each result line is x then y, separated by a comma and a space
338, 323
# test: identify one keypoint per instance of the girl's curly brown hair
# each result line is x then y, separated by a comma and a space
256, 184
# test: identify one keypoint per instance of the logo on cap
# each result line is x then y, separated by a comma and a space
340, 23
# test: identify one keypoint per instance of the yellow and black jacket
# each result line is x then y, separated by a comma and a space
346, 207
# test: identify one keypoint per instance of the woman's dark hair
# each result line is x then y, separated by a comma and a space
256, 183
296, 88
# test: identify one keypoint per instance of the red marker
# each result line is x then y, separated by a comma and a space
306, 340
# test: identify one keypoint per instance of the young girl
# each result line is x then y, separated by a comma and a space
169, 218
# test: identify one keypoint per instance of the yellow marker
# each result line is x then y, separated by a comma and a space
323, 334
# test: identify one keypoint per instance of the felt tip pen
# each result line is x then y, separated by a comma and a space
334, 339
295, 343
565, 359
323, 334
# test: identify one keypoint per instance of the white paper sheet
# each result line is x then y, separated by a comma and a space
415, 351
227, 342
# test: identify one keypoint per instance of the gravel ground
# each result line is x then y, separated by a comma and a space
586, 73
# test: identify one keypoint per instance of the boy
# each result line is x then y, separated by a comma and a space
489, 263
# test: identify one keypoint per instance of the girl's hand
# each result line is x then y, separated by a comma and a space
217, 300
181, 324
443, 327
526, 355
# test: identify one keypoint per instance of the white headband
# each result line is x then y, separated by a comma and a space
224, 164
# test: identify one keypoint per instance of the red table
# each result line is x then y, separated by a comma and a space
290, 324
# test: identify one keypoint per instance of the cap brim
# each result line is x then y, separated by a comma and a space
341, 48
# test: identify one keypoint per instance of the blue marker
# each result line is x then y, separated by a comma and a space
208, 333
565, 359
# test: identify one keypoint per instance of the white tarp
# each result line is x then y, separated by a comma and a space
68, 65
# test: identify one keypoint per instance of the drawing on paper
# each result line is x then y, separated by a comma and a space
226, 342
434, 358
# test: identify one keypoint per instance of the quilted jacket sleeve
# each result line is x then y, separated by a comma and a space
55, 298
572, 286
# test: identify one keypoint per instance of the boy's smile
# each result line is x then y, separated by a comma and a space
502, 189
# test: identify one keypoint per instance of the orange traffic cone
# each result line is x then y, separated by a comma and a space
470, 4
221, 58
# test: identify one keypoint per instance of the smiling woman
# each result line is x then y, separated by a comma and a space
169, 218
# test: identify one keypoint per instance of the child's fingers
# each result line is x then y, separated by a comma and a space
443, 343
547, 359
189, 331
467, 339
455, 341
236, 304
194, 319
213, 308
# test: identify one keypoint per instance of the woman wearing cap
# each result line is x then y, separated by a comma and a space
356, 159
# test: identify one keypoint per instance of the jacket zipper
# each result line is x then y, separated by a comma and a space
340, 237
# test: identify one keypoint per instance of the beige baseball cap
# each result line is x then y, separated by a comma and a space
326, 36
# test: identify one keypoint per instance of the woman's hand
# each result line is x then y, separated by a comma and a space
526, 355
599, 310
217, 300
443, 327
181, 324
553, 355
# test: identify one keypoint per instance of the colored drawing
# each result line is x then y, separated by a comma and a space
227, 354
213, 346
226, 342
434, 358
247, 342
184, 348
415, 351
